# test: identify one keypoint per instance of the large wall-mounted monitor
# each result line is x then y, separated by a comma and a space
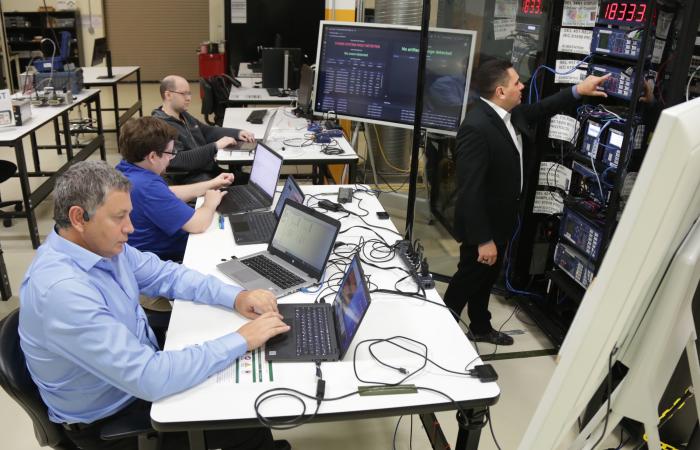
368, 72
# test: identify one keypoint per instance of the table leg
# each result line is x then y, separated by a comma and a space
470, 429
35, 151
66, 135
57, 135
138, 91
5, 288
100, 129
197, 440
352, 172
115, 97
26, 192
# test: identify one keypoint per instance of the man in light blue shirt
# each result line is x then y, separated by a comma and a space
85, 337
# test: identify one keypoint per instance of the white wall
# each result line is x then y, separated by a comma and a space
88, 33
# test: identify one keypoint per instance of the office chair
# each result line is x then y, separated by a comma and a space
15, 379
7, 170
207, 92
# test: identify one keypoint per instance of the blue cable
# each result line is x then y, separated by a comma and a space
509, 286
533, 80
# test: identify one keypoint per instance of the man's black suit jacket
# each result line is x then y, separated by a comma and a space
488, 167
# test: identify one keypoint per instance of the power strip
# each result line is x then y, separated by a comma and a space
418, 270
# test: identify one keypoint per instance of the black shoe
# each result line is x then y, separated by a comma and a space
492, 337
283, 444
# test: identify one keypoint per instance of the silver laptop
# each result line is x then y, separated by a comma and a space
260, 190
250, 146
257, 227
295, 257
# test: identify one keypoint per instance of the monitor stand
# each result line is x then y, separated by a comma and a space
108, 58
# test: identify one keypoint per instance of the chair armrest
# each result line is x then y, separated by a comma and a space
126, 426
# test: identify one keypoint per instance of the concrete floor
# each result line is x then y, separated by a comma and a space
522, 381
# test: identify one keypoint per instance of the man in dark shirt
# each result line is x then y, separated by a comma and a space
197, 142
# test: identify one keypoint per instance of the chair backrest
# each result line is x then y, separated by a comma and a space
207, 97
15, 379
7, 169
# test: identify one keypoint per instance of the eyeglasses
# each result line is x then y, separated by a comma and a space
170, 153
186, 94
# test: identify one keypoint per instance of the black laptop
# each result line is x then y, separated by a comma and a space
323, 331
295, 257
257, 227
260, 190
242, 146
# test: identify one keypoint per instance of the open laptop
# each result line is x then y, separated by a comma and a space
260, 190
257, 227
241, 146
321, 331
295, 257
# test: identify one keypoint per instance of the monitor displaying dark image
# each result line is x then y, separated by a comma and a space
369, 72
99, 51
281, 67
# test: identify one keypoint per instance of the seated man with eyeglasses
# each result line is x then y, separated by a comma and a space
161, 216
197, 142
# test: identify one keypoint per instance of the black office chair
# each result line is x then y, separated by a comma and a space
207, 92
7, 170
15, 379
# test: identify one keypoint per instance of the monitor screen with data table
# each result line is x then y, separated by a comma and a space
369, 72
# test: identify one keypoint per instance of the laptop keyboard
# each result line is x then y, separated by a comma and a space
272, 271
312, 333
244, 199
262, 225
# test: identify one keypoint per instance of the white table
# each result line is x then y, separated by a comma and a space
246, 72
251, 92
12, 137
90, 78
229, 405
286, 133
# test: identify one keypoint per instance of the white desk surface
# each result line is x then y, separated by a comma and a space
90, 75
387, 316
253, 93
285, 127
245, 72
41, 115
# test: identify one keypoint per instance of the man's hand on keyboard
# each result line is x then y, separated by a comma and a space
264, 327
224, 142
246, 136
251, 304
212, 198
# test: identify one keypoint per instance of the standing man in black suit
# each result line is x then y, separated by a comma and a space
489, 158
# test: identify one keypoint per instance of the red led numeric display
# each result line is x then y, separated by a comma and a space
623, 12
531, 7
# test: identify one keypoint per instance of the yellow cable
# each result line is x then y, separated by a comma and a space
381, 150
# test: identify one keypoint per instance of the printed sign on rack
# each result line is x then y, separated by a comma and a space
503, 29
663, 24
658, 52
567, 65
563, 127
505, 8
580, 13
547, 202
554, 175
238, 11
575, 40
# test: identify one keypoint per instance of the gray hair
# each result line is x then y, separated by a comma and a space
85, 184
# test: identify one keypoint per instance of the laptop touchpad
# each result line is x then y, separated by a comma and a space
246, 275
240, 227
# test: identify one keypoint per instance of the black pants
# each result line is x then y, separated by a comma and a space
87, 437
471, 285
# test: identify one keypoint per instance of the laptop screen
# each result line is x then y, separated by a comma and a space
304, 237
350, 304
266, 169
290, 191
